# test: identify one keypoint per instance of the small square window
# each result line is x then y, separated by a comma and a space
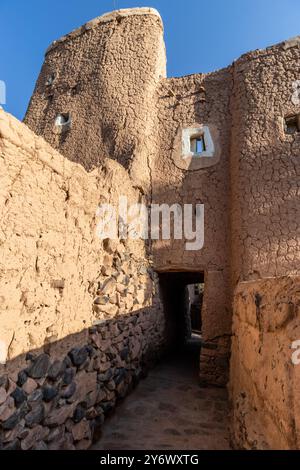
198, 144
292, 124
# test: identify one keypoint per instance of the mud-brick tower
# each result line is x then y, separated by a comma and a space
102, 79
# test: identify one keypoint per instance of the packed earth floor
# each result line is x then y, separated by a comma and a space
169, 410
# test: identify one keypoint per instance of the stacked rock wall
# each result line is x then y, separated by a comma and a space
80, 317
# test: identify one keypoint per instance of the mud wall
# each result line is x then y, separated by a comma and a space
265, 165
104, 75
183, 103
80, 317
109, 78
264, 384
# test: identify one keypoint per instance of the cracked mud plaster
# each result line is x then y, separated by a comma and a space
111, 77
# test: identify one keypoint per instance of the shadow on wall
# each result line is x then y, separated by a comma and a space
60, 395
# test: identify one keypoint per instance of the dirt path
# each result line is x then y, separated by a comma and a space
169, 410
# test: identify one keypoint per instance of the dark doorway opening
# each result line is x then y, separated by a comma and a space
182, 297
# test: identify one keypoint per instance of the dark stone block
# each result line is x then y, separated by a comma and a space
35, 416
40, 366
14, 445
22, 378
124, 354
89, 350
68, 392
78, 356
30, 357
40, 446
49, 393
105, 377
68, 376
107, 407
79, 414
56, 370
12, 422
67, 362
35, 396
120, 376
19, 396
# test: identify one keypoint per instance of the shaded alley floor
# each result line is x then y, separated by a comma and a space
170, 411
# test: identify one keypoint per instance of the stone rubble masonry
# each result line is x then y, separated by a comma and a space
91, 333
125, 122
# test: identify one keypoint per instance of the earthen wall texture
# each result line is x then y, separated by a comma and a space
265, 165
105, 77
190, 102
265, 220
80, 318
110, 77
264, 382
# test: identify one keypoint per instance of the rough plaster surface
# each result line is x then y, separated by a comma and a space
106, 79
66, 296
51, 258
265, 384
109, 76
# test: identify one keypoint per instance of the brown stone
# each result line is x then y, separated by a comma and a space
58, 416
29, 386
3, 395
85, 384
7, 409
81, 430
36, 434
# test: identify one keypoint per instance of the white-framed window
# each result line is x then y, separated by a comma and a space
63, 119
197, 142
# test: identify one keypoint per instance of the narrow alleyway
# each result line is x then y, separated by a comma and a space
170, 411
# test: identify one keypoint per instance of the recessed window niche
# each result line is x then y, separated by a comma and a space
292, 124
63, 121
197, 142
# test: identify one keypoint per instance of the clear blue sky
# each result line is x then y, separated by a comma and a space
201, 36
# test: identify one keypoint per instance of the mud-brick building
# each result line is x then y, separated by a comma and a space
80, 317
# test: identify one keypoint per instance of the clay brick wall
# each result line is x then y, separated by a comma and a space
105, 76
264, 383
265, 246
80, 318
265, 165
187, 102
110, 77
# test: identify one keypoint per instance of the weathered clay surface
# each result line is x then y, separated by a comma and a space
107, 80
264, 385
90, 330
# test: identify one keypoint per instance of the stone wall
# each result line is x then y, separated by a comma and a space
264, 383
80, 318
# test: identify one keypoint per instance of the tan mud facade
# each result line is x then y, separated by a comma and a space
81, 318
107, 82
